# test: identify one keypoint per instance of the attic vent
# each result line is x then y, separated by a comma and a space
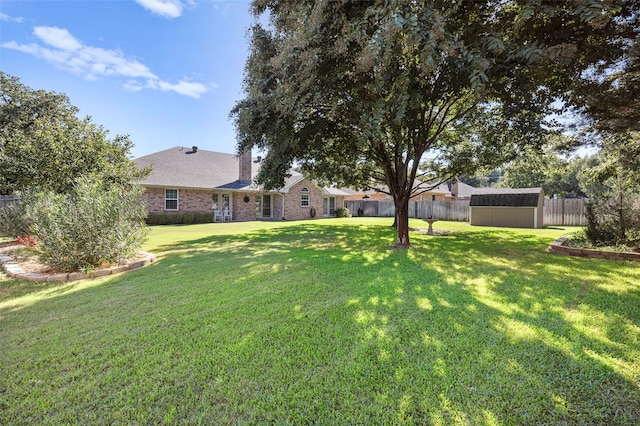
194, 149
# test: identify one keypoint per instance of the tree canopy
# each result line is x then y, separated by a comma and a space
44, 144
555, 174
357, 93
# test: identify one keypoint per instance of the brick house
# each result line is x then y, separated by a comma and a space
192, 180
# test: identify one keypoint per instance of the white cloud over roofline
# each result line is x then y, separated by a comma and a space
64, 51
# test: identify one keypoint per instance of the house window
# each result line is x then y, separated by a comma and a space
221, 201
171, 199
305, 197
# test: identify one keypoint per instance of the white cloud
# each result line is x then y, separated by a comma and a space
166, 8
66, 52
187, 88
57, 37
5, 17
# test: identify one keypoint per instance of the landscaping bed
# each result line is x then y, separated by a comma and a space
18, 263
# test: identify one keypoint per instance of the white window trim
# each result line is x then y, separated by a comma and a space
177, 199
305, 193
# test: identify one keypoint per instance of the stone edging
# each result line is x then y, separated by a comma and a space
13, 269
557, 248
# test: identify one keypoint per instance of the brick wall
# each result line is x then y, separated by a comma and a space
241, 210
189, 200
276, 206
293, 209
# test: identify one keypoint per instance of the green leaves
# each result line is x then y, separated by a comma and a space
43, 144
89, 226
339, 85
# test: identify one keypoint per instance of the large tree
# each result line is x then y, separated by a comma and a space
358, 92
44, 144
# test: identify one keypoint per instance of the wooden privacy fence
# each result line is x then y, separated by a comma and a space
564, 211
556, 212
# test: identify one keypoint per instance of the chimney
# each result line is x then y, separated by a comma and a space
194, 149
245, 166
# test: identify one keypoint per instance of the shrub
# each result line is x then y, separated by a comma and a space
343, 212
188, 218
152, 219
163, 219
199, 217
90, 226
174, 219
208, 217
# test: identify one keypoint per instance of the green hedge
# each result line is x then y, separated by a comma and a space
178, 218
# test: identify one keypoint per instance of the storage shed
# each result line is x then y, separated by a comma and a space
507, 207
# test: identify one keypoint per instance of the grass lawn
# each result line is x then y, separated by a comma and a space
322, 322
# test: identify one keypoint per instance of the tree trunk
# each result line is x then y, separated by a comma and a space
402, 218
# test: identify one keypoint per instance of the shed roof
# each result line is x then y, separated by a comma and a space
506, 197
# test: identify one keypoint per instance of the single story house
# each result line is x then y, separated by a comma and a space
507, 207
460, 190
194, 180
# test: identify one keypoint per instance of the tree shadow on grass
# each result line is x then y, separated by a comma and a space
314, 323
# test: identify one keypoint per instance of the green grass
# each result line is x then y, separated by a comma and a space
323, 322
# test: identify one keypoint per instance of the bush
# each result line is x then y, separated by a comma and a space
188, 218
90, 226
199, 217
152, 219
208, 217
163, 219
174, 219
343, 212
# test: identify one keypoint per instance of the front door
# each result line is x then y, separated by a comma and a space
266, 205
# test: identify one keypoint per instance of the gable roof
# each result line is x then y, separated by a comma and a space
461, 189
181, 167
505, 197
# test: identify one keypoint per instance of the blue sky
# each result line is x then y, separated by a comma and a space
165, 72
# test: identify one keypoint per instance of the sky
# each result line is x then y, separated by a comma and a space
165, 72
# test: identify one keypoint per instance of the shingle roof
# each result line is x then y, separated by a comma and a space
182, 168
463, 190
505, 197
